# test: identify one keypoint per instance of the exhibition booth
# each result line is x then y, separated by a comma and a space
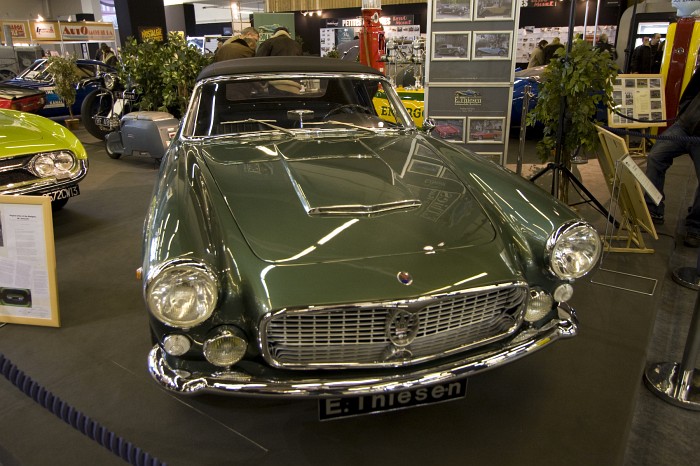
362, 245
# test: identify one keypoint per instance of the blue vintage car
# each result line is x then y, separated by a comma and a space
37, 76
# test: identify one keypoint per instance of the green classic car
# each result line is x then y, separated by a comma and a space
39, 157
298, 244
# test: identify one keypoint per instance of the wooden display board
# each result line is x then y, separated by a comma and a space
622, 181
27, 261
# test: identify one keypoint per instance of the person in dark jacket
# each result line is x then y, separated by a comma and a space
242, 46
642, 58
281, 43
664, 151
550, 49
604, 45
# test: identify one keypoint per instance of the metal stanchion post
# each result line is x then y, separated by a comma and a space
689, 277
679, 384
523, 128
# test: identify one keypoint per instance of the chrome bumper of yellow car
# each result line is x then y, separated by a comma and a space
247, 384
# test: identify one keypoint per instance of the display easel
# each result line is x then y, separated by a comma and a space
619, 172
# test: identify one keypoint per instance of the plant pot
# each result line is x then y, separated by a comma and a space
72, 123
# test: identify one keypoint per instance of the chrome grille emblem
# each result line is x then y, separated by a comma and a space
402, 327
405, 278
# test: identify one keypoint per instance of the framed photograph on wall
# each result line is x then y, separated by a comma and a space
450, 129
485, 130
28, 293
450, 46
639, 101
494, 10
492, 45
452, 10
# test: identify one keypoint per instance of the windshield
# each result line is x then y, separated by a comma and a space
39, 71
273, 104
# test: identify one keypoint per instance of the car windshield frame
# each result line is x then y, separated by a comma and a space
283, 107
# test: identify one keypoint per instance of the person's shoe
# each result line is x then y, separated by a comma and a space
657, 219
692, 240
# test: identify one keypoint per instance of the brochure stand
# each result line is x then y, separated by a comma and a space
625, 182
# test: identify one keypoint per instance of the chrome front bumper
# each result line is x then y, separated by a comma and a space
267, 382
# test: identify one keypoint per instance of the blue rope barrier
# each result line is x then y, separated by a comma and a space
92, 429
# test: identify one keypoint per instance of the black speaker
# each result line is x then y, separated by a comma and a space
84, 17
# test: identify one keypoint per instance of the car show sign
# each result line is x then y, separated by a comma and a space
57, 31
28, 293
88, 31
19, 30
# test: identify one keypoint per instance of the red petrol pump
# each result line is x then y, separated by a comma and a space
372, 35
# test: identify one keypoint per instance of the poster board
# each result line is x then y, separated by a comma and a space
639, 96
28, 293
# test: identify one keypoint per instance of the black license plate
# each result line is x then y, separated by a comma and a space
334, 408
106, 122
64, 193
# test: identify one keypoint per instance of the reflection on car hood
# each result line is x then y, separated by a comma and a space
25, 133
338, 199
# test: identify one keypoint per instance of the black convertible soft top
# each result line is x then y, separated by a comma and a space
284, 65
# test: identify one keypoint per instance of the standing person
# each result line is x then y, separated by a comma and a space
106, 55
537, 58
657, 53
603, 45
641, 58
242, 46
550, 49
664, 151
281, 43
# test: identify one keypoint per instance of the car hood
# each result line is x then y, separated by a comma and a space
24, 133
320, 200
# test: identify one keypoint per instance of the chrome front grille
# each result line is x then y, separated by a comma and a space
365, 335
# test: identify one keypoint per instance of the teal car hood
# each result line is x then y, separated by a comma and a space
332, 199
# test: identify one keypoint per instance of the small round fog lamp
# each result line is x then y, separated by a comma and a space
225, 348
176, 345
563, 293
538, 306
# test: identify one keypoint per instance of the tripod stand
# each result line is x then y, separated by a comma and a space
562, 174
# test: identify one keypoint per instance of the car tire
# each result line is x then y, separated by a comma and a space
58, 204
92, 106
111, 153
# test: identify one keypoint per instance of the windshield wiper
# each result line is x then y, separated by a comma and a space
262, 122
344, 123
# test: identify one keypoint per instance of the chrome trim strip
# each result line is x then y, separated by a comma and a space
29, 187
367, 210
269, 384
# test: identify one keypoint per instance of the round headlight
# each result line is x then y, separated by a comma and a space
58, 164
573, 250
182, 293
110, 81
226, 347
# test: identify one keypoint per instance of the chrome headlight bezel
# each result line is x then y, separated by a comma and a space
197, 288
110, 81
575, 240
59, 164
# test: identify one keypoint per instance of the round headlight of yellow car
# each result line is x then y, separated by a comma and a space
58, 164
182, 293
573, 250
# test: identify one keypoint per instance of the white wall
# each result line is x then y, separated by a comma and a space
21, 9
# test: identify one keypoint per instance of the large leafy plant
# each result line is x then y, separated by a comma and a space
162, 73
66, 77
576, 84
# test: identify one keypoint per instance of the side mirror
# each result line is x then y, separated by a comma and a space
429, 125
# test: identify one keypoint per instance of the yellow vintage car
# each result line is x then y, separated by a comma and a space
39, 156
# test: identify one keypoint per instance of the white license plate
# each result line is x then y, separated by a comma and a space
334, 408
63, 193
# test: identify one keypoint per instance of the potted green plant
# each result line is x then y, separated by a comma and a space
163, 73
66, 77
576, 84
